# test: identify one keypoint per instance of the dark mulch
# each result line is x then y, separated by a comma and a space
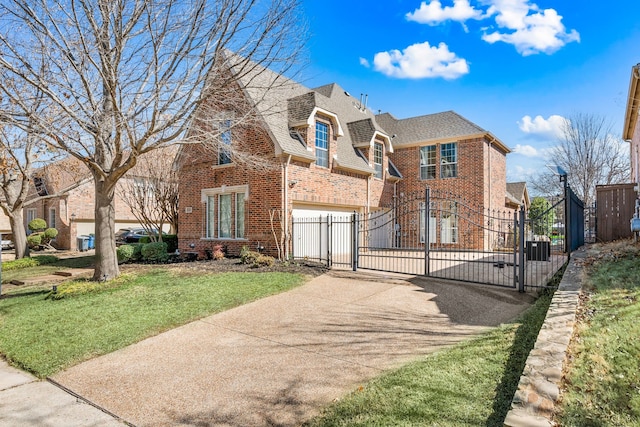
234, 265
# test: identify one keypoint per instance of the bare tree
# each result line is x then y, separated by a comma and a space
590, 154
22, 151
130, 76
150, 190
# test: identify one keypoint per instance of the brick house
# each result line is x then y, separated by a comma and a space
72, 211
332, 155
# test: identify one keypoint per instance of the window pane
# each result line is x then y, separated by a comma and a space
224, 211
377, 159
322, 144
449, 160
52, 218
239, 215
224, 149
211, 217
428, 162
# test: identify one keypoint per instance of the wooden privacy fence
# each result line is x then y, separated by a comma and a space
615, 206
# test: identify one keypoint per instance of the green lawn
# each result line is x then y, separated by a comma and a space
40, 266
471, 384
44, 335
603, 380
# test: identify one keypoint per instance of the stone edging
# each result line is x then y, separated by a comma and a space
538, 391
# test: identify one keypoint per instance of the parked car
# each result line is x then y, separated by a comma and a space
133, 235
7, 244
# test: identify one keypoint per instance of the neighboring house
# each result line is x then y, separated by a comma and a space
71, 212
631, 129
5, 226
517, 196
331, 155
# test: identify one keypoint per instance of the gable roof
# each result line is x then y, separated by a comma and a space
517, 193
447, 126
285, 104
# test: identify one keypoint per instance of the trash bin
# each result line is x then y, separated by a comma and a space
83, 243
538, 251
92, 241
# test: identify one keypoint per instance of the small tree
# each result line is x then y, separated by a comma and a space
541, 216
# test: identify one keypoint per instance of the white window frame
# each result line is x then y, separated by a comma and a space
322, 160
425, 164
224, 155
378, 148
53, 214
211, 197
447, 164
240, 216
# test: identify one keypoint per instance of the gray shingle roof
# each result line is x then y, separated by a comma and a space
284, 103
448, 124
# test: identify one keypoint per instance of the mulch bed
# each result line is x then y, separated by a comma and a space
234, 265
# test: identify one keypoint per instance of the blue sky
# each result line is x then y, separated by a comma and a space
512, 67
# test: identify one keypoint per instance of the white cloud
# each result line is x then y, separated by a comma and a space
433, 13
364, 62
520, 173
531, 33
526, 150
421, 60
551, 128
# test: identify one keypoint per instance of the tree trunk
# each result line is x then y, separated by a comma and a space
106, 259
19, 234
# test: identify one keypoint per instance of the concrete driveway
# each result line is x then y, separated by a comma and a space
279, 360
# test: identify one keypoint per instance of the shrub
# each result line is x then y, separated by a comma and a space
125, 253
264, 261
154, 252
172, 242
34, 240
256, 259
247, 256
144, 240
50, 233
217, 252
37, 224
137, 251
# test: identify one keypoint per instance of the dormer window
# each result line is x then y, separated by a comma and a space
322, 144
377, 159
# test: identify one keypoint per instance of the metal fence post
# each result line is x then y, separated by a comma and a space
427, 241
329, 241
354, 241
516, 236
521, 271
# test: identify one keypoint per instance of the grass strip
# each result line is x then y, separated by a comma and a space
602, 386
44, 335
41, 265
471, 384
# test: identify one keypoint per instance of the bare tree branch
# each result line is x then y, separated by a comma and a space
129, 76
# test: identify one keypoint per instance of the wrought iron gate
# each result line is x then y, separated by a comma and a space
498, 247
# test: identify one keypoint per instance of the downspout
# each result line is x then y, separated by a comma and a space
285, 203
488, 244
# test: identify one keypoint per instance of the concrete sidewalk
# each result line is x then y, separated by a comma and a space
279, 360
27, 401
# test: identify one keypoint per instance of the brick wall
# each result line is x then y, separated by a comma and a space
470, 186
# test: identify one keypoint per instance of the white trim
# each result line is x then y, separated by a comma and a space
206, 192
312, 119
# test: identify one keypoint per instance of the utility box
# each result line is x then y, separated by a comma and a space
538, 251
83, 243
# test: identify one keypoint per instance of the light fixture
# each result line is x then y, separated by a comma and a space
558, 171
73, 217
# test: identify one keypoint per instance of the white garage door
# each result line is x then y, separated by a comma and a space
316, 238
